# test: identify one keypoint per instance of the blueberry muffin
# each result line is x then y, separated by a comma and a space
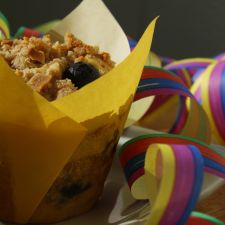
55, 70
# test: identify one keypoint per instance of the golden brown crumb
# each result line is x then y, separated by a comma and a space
36, 55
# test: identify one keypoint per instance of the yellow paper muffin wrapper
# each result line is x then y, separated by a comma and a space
39, 137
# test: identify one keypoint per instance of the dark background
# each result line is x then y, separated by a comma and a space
187, 28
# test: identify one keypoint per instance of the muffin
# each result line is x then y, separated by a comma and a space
55, 70
55, 154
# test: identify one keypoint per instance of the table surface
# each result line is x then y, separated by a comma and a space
214, 205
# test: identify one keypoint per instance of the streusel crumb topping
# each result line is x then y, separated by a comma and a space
41, 63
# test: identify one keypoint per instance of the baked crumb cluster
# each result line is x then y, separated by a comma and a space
41, 63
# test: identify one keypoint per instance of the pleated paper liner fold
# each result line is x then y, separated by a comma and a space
55, 155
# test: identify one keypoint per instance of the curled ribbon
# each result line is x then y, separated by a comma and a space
167, 169
4, 27
207, 87
203, 219
162, 171
192, 122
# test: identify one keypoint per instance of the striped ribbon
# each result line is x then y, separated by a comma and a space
4, 27
208, 83
209, 90
194, 66
184, 73
187, 70
193, 122
195, 63
27, 32
38, 31
167, 169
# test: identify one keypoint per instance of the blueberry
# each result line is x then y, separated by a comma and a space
72, 189
81, 74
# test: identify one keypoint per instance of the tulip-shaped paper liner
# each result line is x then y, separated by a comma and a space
36, 142
39, 137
